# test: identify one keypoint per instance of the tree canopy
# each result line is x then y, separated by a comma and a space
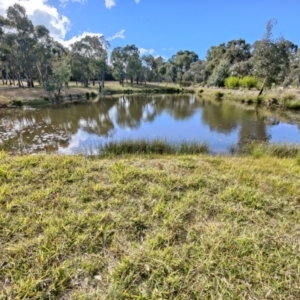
29, 54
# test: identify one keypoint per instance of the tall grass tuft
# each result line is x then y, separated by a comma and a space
290, 101
258, 149
152, 147
219, 95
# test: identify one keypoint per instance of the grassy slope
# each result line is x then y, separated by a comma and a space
149, 227
287, 98
8, 94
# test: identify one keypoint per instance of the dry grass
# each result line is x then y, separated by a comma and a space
149, 227
11, 94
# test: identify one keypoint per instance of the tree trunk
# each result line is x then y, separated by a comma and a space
262, 88
41, 76
102, 77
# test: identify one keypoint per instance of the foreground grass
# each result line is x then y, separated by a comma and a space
149, 227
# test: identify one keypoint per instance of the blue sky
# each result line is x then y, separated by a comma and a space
163, 27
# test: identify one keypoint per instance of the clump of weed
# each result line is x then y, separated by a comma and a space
290, 101
17, 102
259, 99
219, 95
193, 148
93, 95
87, 95
257, 152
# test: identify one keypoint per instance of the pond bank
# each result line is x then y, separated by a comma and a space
11, 96
149, 227
274, 98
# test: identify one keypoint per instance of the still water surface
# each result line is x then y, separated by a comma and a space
82, 128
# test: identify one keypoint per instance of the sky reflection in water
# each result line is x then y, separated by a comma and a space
81, 128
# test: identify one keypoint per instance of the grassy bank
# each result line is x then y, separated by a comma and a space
14, 96
273, 98
149, 227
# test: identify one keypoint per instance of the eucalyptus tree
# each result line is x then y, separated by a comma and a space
197, 72
231, 58
44, 50
126, 63
98, 58
271, 57
241, 69
118, 61
294, 74
183, 60
148, 66
21, 40
159, 69
170, 72
220, 73
59, 72
89, 59
133, 63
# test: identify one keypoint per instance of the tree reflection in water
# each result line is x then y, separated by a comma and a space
54, 127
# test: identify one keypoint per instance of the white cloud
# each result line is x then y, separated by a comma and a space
118, 35
42, 13
74, 39
110, 3
145, 51
137, 1
168, 49
63, 3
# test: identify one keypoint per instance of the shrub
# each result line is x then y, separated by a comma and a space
232, 82
248, 82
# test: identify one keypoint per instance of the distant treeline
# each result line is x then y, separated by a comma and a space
28, 53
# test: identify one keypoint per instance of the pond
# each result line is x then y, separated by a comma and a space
81, 128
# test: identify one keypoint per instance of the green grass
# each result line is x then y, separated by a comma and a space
149, 227
259, 149
152, 147
290, 101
